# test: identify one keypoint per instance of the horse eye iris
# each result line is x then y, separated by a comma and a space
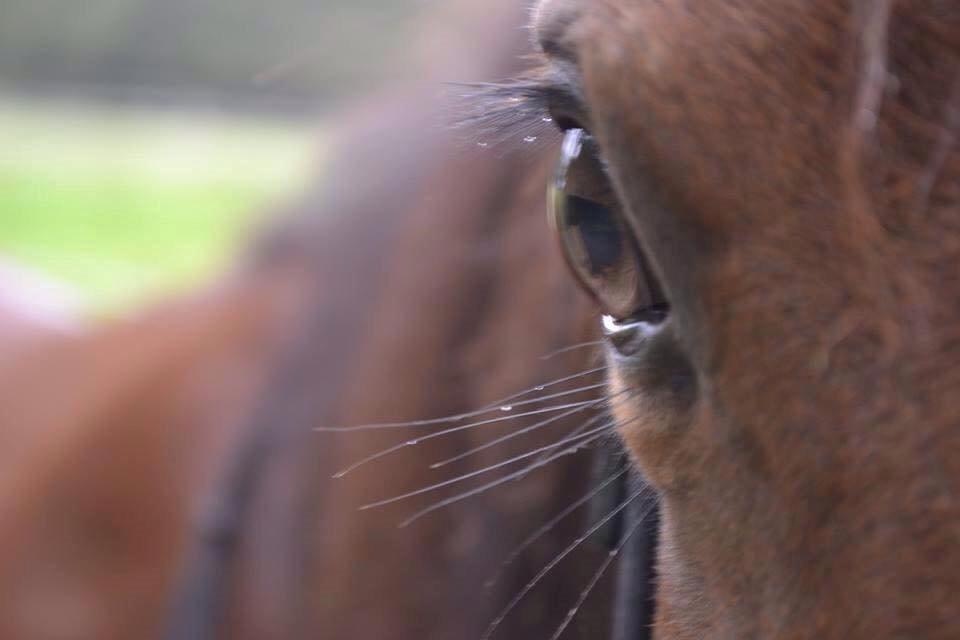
596, 241
595, 232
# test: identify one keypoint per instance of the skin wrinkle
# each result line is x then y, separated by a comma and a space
772, 174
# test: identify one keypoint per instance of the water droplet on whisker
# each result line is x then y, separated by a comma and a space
483, 144
506, 407
547, 119
529, 139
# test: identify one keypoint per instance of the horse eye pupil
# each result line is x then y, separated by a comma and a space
598, 234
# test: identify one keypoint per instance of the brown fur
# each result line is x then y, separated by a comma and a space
791, 171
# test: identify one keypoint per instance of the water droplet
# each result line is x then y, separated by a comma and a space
547, 119
483, 144
412, 442
506, 407
529, 139
539, 388
514, 99
339, 475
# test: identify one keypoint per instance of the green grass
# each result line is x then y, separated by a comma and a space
127, 205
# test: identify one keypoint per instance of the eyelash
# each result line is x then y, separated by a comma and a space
503, 109
516, 109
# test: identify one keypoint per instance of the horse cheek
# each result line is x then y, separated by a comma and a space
654, 403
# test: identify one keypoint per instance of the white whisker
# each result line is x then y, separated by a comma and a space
533, 427
463, 416
573, 347
552, 396
630, 393
598, 575
494, 467
587, 438
438, 434
542, 531
557, 560
516, 434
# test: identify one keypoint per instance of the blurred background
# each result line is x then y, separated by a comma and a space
140, 139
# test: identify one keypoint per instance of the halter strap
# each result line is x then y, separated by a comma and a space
635, 587
633, 607
200, 603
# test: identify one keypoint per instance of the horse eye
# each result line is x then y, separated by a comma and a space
597, 242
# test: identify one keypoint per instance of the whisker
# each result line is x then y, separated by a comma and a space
438, 434
580, 429
545, 385
463, 416
630, 393
543, 530
573, 347
598, 575
588, 438
558, 559
473, 474
516, 434
552, 396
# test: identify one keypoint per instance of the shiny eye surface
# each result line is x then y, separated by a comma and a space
596, 239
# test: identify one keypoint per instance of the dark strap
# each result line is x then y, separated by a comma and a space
199, 604
633, 607
633, 604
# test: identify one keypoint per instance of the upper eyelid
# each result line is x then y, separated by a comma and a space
556, 47
551, 25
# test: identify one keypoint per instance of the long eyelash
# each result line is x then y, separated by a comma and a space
496, 112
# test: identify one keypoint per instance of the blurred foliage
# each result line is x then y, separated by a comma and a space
287, 49
127, 204
122, 171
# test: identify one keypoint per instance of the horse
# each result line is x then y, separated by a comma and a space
162, 475
760, 197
